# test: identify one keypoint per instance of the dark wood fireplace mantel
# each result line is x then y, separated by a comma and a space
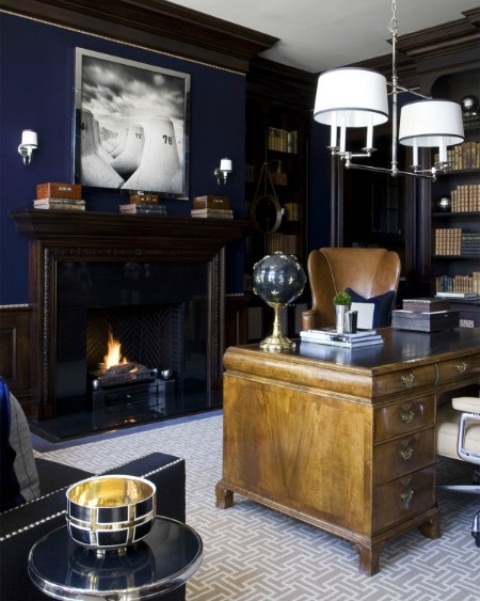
116, 230
56, 237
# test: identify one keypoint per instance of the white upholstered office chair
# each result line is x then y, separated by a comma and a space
458, 437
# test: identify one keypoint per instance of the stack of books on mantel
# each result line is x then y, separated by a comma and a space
143, 204
59, 196
211, 207
331, 337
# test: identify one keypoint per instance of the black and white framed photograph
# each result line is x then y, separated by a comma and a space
131, 125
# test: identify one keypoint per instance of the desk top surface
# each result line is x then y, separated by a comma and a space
399, 347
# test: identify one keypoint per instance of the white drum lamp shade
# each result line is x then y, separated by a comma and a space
352, 97
431, 124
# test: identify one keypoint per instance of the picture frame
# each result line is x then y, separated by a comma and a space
131, 125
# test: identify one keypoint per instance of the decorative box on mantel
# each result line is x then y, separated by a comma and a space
436, 321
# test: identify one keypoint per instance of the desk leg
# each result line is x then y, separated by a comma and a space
369, 556
432, 527
224, 496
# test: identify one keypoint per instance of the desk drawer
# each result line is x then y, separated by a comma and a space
404, 417
458, 369
402, 498
393, 459
405, 379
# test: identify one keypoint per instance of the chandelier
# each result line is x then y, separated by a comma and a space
357, 98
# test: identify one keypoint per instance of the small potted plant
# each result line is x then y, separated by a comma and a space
342, 302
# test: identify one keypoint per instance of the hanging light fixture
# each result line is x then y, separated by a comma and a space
355, 97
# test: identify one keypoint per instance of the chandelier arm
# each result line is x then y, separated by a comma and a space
391, 171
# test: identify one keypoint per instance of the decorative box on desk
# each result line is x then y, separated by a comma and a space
437, 321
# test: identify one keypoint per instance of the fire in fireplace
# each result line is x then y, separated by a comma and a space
128, 389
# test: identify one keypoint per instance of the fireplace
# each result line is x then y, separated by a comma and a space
153, 284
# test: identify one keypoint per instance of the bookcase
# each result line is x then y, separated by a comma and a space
277, 124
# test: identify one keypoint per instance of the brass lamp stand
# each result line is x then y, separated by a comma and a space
276, 341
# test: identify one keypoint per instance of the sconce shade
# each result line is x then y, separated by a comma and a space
226, 165
431, 123
352, 97
29, 138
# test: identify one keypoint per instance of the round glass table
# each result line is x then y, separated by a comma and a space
160, 563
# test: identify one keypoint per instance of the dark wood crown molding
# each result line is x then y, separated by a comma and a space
155, 24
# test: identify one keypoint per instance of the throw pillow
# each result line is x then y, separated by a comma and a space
19, 477
383, 303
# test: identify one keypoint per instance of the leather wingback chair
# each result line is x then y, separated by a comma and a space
370, 272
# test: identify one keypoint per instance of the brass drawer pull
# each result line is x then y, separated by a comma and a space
461, 367
407, 417
407, 380
407, 496
406, 453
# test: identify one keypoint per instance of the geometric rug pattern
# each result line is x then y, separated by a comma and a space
252, 553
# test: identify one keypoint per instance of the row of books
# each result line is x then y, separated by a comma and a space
461, 284
59, 204
287, 243
465, 198
455, 241
282, 140
463, 156
331, 337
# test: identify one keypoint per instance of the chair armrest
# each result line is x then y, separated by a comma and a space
467, 404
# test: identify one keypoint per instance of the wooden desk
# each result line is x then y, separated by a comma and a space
343, 440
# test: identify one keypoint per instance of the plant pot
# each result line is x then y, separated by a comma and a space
341, 316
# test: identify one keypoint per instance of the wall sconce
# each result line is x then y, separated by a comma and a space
28, 145
222, 172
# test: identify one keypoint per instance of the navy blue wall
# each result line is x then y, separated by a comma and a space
37, 92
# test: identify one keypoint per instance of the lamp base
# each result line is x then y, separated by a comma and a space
277, 343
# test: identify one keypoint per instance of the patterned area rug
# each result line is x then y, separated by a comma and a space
256, 554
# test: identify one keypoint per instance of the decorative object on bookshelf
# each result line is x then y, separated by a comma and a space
266, 211
443, 204
278, 280
212, 213
59, 204
469, 105
211, 202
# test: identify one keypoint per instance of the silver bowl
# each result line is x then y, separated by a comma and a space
109, 513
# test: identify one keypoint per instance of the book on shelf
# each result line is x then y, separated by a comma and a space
347, 340
144, 199
458, 295
63, 204
212, 213
143, 209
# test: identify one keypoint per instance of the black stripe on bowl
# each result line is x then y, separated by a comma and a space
144, 507
79, 535
112, 538
142, 530
112, 515
79, 512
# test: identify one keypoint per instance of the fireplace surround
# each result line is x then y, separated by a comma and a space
157, 282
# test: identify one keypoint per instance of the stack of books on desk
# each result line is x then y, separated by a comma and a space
332, 338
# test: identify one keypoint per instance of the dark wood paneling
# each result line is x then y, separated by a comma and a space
15, 351
154, 24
